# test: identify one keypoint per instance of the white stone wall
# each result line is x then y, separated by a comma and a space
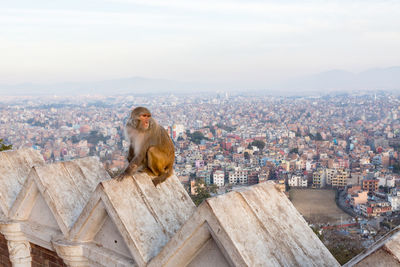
88, 219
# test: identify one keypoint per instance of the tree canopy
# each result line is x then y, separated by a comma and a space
258, 143
4, 146
202, 191
196, 137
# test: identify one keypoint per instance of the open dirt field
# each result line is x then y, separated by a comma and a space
317, 206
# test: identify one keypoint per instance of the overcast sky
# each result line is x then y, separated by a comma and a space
209, 40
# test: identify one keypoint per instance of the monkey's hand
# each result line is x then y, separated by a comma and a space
131, 169
120, 177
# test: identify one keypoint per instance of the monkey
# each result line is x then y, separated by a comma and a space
150, 150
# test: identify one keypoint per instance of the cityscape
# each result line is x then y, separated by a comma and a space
335, 156
284, 118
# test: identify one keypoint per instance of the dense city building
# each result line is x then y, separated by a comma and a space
370, 185
332, 141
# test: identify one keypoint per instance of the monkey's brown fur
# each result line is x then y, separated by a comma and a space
151, 149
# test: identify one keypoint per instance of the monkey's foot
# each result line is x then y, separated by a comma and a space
120, 177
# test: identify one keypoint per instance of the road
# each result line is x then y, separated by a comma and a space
341, 203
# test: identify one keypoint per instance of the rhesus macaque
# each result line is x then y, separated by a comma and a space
151, 149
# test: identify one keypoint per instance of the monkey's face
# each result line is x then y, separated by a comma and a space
139, 120
144, 120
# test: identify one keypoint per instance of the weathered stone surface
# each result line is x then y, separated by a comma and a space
72, 254
145, 215
14, 168
257, 226
18, 246
98, 256
90, 219
65, 187
385, 252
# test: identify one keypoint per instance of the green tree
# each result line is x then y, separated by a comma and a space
4, 146
94, 137
74, 139
225, 127
396, 168
196, 137
202, 192
212, 129
317, 231
344, 251
212, 188
258, 143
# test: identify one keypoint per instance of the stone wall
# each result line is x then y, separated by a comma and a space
4, 255
73, 214
42, 257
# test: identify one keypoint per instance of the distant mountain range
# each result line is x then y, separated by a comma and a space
329, 81
339, 80
133, 85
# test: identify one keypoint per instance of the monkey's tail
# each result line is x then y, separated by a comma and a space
163, 177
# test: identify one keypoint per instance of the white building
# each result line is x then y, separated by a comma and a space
394, 201
340, 179
330, 174
219, 178
238, 176
177, 130
298, 181
309, 166
386, 181
319, 178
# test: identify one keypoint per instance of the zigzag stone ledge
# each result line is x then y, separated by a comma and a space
75, 209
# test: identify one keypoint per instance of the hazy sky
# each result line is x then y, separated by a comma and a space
208, 40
